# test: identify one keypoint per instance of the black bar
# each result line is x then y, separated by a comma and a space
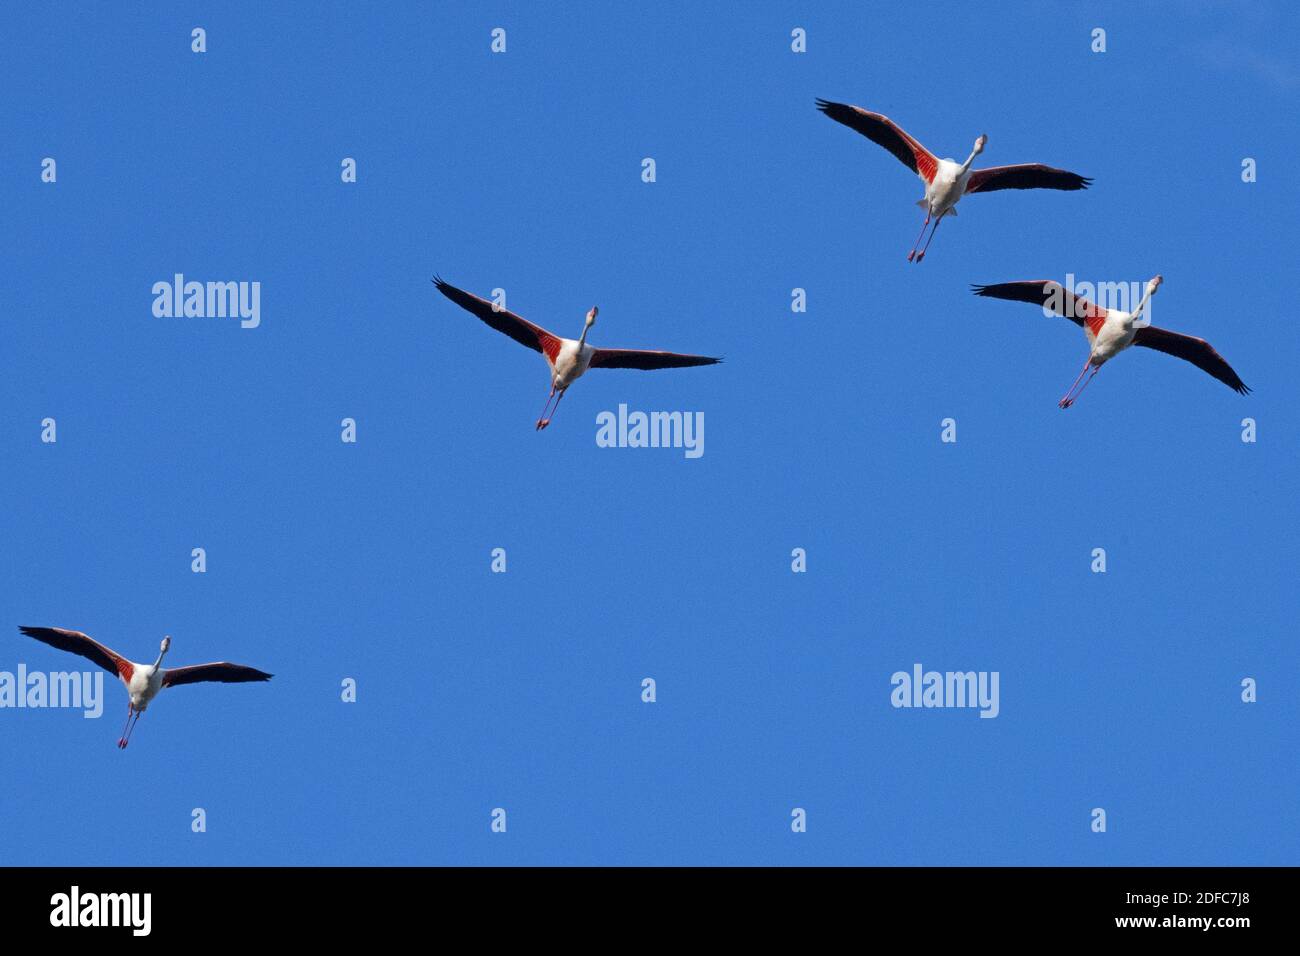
330, 905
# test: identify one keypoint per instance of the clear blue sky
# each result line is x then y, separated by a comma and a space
522, 690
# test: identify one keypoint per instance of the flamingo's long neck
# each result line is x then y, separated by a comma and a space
969, 159
158, 663
583, 337
1137, 313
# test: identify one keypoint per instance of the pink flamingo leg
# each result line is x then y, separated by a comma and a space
921, 255
127, 739
1071, 396
546, 421
912, 255
542, 420
121, 741
1095, 370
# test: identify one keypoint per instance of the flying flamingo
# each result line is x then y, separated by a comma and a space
1111, 331
568, 358
945, 180
143, 681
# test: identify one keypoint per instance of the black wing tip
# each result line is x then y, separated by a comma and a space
1084, 182
33, 631
1016, 290
1241, 388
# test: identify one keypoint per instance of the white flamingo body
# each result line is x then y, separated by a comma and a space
570, 362
142, 681
143, 684
946, 189
1116, 333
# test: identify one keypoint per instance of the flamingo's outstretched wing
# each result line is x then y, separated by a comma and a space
1191, 349
1049, 294
81, 644
884, 132
515, 326
1024, 176
636, 358
223, 671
